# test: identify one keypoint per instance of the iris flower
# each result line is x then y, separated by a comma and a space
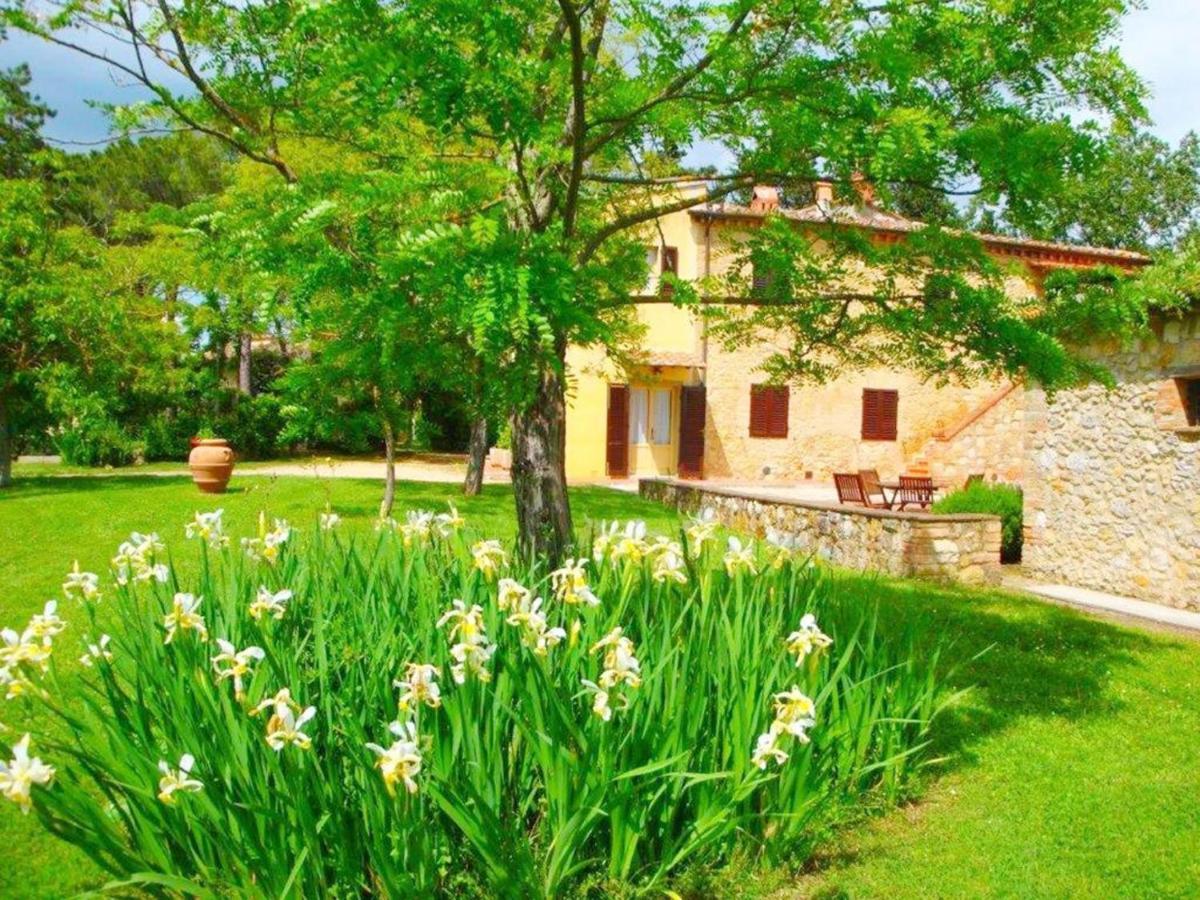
174, 781
807, 639
401, 762
269, 603
21, 773
419, 686
183, 617
236, 664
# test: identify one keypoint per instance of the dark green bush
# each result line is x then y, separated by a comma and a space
1003, 500
167, 435
252, 425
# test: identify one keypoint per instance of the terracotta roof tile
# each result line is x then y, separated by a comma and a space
872, 217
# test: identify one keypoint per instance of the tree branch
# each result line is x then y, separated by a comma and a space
653, 212
677, 84
576, 127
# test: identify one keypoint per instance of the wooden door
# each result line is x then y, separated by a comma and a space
617, 447
691, 431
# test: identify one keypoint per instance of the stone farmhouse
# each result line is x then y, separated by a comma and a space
1109, 476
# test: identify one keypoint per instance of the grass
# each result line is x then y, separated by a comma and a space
1069, 770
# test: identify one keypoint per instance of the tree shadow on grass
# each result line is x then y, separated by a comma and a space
1018, 657
47, 485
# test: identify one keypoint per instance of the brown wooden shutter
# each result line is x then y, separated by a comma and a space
777, 420
617, 447
880, 410
692, 409
769, 411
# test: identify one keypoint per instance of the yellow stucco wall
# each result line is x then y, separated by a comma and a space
590, 375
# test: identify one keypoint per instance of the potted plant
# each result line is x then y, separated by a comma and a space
211, 462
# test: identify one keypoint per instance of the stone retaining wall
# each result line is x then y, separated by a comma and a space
962, 548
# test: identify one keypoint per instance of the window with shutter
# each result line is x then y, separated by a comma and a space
879, 414
769, 410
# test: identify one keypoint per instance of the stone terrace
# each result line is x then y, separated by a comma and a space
964, 548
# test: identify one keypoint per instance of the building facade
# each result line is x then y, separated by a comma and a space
689, 407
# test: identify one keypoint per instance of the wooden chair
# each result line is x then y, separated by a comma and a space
850, 489
914, 491
918, 469
873, 488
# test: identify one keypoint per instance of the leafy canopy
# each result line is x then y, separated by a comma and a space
575, 120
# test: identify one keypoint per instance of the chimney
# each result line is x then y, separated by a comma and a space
823, 194
764, 199
864, 189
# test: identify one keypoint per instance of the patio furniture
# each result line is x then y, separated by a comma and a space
873, 487
913, 491
851, 490
974, 478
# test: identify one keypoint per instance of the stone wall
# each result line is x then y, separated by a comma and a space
990, 441
1112, 497
963, 548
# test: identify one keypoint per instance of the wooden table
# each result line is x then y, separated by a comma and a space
894, 487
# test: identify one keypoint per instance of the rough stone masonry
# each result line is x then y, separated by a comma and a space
963, 548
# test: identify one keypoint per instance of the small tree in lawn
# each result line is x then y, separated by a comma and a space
577, 117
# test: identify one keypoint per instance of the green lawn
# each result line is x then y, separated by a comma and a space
1070, 770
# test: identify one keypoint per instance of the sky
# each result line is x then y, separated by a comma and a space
1161, 42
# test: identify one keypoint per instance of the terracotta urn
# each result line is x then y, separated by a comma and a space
211, 462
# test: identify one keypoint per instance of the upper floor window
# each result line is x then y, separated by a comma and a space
763, 278
879, 414
659, 261
769, 410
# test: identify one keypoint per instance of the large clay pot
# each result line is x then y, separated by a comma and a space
211, 462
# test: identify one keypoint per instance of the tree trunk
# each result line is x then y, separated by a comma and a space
477, 456
389, 486
244, 352
539, 474
6, 444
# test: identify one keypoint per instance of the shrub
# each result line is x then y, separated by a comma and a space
95, 442
642, 729
1003, 500
167, 435
252, 425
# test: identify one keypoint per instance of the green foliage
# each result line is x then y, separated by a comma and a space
1003, 500
522, 789
252, 425
94, 441
1140, 193
21, 118
74, 335
109, 191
